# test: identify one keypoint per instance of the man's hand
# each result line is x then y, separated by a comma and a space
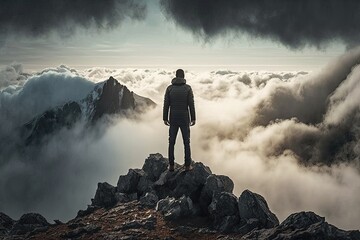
192, 123
167, 123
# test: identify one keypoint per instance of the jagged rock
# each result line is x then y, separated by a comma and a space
128, 183
145, 185
181, 182
149, 199
303, 225
175, 208
90, 209
214, 184
105, 195
190, 183
6, 223
89, 229
27, 223
254, 206
154, 165
224, 211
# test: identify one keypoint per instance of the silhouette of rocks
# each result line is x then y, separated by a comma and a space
254, 206
303, 225
105, 195
29, 222
5, 223
128, 183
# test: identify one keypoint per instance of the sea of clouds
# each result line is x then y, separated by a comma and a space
292, 137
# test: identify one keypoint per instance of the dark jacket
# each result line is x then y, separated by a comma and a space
179, 98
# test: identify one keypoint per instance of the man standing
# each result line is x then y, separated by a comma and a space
179, 98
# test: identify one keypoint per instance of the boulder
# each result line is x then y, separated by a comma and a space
224, 212
174, 209
5, 223
105, 195
303, 225
27, 223
214, 184
154, 166
190, 183
254, 206
128, 183
144, 185
149, 199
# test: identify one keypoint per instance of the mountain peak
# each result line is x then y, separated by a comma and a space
107, 98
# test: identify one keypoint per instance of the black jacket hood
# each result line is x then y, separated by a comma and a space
178, 81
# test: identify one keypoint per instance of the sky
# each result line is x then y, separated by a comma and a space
276, 87
158, 42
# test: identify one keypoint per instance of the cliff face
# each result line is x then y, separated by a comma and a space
153, 203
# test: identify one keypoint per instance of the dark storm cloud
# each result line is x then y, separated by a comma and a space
37, 18
293, 23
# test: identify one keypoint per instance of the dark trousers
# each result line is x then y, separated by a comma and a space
185, 132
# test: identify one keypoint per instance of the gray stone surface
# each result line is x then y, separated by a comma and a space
154, 165
175, 208
150, 199
128, 183
254, 206
214, 184
105, 195
224, 212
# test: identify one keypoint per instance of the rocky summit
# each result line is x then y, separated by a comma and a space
154, 203
107, 98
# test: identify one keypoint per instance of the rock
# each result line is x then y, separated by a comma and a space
89, 229
5, 223
105, 195
254, 206
145, 185
149, 199
124, 198
128, 183
90, 209
58, 222
181, 182
27, 223
174, 209
303, 225
214, 184
224, 212
190, 183
154, 165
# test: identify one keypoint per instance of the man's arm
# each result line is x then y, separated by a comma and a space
166, 106
191, 107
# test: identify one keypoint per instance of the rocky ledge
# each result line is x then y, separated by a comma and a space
153, 203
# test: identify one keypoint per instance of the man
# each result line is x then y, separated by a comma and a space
179, 99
